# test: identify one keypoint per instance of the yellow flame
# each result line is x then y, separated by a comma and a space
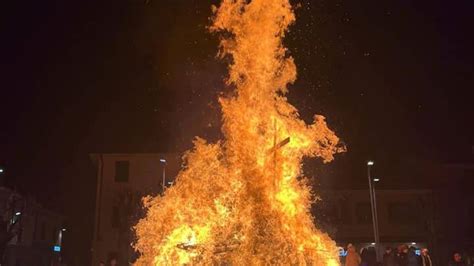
239, 201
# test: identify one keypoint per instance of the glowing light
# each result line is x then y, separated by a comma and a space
1, 170
243, 200
163, 160
373, 244
18, 213
413, 243
370, 163
376, 180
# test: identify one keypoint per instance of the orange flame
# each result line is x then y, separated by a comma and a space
239, 201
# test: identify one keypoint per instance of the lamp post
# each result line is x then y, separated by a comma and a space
57, 248
373, 205
59, 241
163, 161
377, 236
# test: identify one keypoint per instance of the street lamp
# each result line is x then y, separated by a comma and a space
373, 205
17, 213
1, 170
163, 161
376, 180
57, 248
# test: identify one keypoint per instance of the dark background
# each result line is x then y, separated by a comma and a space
393, 78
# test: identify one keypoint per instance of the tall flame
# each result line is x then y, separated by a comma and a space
240, 201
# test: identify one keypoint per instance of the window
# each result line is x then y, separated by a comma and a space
35, 230
115, 217
344, 213
471, 220
43, 230
54, 234
121, 171
20, 234
363, 213
402, 213
471, 214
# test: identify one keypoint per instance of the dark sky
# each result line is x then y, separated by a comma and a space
393, 78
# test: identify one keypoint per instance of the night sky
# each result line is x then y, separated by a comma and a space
393, 78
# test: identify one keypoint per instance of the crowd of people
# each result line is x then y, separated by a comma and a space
400, 256
403, 255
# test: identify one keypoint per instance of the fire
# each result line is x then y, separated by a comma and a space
242, 201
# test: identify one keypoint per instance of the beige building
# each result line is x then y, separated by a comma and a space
122, 180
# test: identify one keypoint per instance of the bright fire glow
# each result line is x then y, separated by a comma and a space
242, 201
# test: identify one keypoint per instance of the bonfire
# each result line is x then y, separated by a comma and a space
244, 200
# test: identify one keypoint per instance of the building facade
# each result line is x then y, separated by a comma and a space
30, 235
122, 181
403, 215
454, 202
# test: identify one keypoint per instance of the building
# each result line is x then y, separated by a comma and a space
29, 233
122, 181
454, 202
403, 215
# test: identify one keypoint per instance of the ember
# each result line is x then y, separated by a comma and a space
239, 201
